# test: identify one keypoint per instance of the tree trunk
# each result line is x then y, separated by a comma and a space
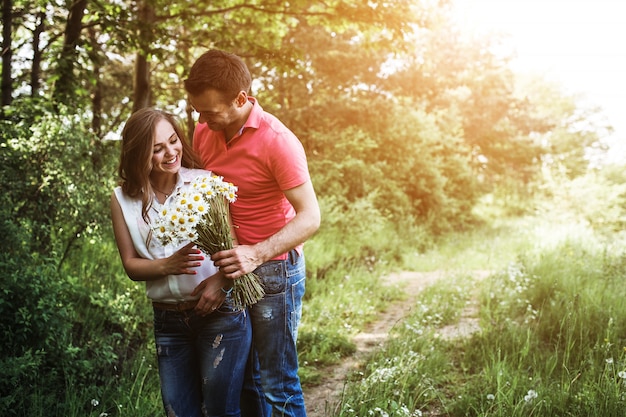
35, 73
191, 122
7, 52
142, 96
66, 83
96, 100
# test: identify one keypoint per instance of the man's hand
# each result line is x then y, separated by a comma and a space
237, 262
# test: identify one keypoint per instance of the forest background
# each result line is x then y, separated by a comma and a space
411, 126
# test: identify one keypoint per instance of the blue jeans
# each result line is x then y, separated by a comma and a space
272, 386
202, 360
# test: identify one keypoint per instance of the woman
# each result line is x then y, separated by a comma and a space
202, 341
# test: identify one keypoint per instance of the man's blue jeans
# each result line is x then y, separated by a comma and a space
202, 360
272, 386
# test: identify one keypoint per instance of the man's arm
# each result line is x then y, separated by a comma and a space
244, 259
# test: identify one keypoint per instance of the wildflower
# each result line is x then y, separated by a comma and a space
622, 374
491, 397
378, 412
532, 394
94, 402
384, 374
609, 361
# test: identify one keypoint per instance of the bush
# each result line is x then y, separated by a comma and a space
35, 340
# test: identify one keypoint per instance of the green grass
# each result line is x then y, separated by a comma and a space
114, 317
552, 342
549, 311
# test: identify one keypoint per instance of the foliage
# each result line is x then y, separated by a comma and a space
598, 197
60, 331
449, 71
409, 127
551, 342
54, 204
55, 168
412, 166
338, 272
36, 331
428, 116
572, 132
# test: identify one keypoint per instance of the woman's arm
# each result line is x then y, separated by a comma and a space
141, 269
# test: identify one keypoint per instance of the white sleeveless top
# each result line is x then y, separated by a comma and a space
172, 288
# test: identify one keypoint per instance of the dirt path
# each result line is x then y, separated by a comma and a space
322, 400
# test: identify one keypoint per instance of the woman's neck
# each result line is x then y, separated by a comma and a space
163, 186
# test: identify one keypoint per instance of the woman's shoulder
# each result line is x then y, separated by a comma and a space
118, 192
125, 201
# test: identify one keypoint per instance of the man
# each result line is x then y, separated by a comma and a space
275, 212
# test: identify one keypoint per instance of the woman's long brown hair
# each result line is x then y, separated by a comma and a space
136, 155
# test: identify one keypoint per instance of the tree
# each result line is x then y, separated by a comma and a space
574, 130
66, 85
146, 20
348, 70
7, 52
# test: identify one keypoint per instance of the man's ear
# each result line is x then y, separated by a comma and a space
242, 98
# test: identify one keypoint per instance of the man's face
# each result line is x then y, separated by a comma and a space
215, 110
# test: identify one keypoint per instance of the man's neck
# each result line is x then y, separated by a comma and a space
231, 132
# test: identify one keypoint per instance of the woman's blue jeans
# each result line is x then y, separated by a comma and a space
272, 386
202, 360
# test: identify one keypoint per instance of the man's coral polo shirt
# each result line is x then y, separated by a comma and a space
262, 160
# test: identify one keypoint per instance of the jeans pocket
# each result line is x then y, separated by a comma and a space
228, 307
158, 320
272, 277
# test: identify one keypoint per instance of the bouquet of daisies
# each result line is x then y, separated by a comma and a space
200, 213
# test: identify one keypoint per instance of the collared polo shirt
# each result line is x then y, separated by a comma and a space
262, 160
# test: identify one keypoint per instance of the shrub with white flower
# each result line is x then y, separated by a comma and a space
532, 394
200, 213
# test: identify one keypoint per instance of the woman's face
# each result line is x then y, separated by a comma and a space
167, 149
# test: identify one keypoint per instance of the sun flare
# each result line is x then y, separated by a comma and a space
577, 43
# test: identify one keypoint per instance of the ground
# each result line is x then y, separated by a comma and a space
323, 399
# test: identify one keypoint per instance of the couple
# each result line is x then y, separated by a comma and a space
215, 359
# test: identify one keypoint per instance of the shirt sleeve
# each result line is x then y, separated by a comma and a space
288, 162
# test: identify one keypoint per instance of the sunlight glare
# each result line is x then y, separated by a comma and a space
577, 43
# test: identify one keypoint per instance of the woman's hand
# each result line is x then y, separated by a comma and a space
184, 260
211, 294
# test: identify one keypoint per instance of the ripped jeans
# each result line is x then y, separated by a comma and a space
272, 386
202, 360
